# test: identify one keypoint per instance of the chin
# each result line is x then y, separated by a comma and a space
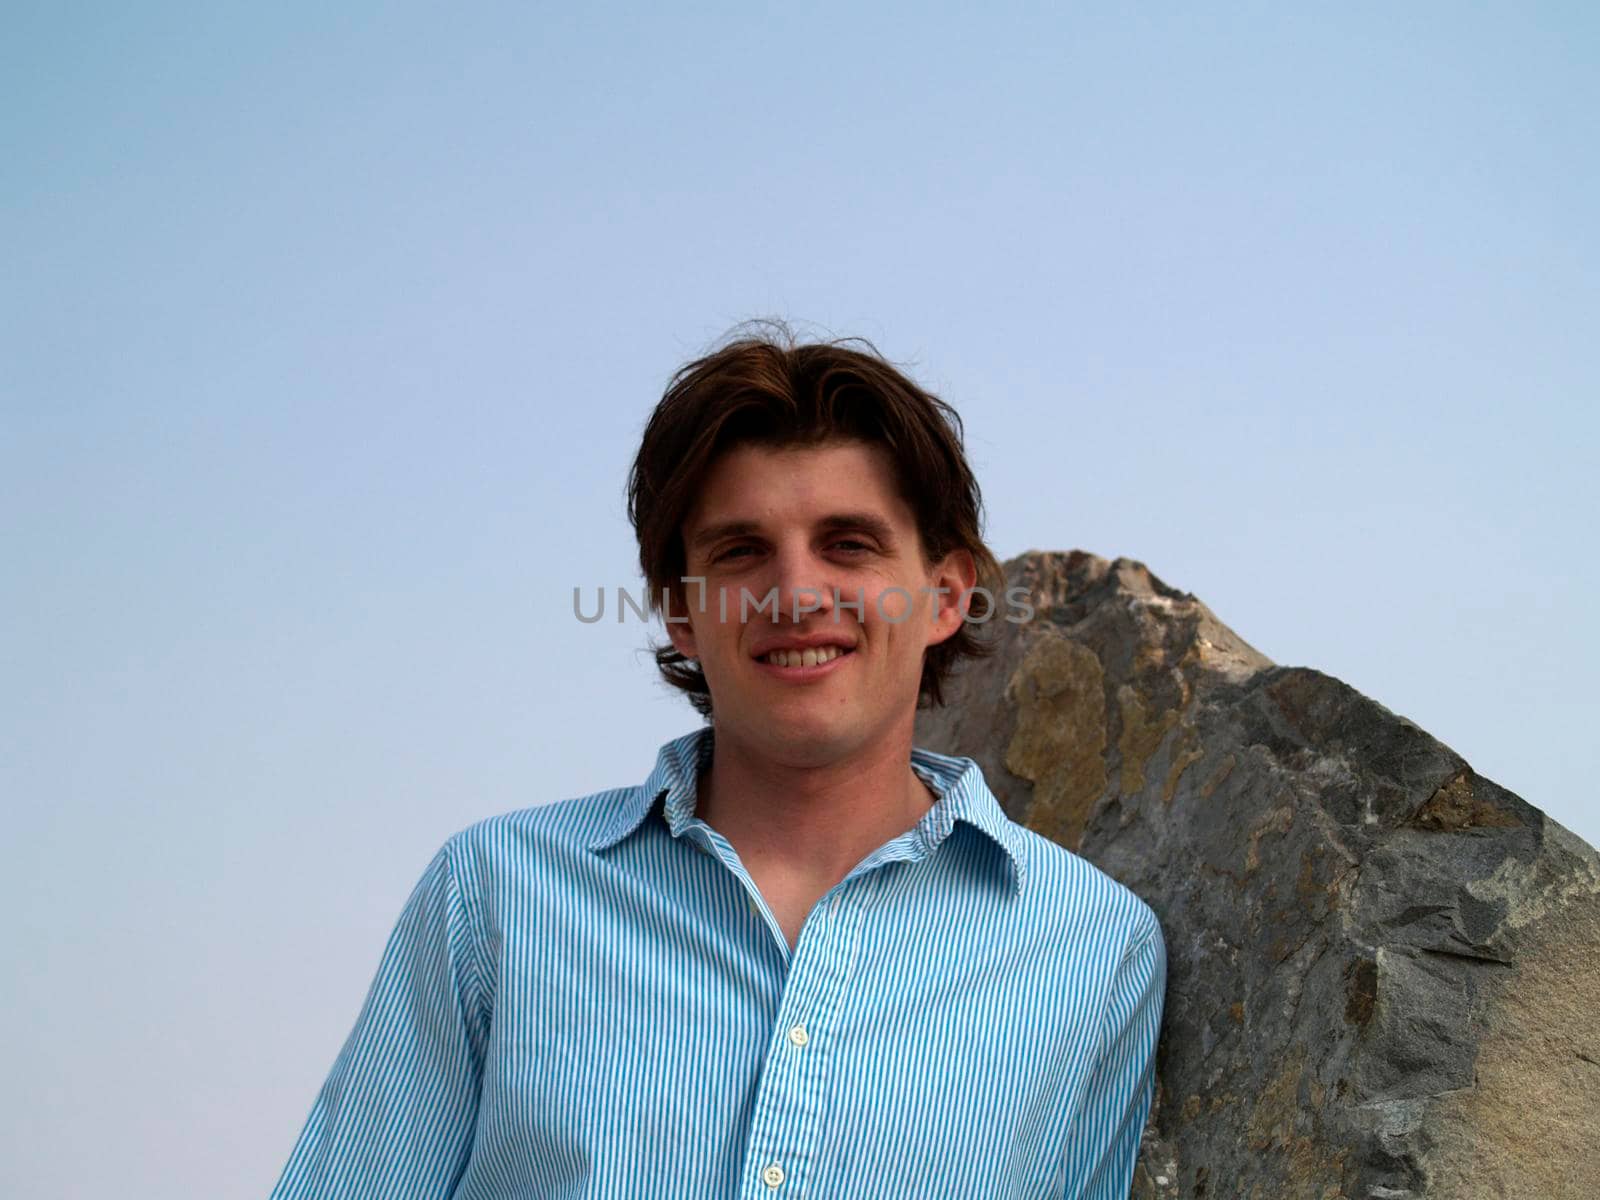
800, 742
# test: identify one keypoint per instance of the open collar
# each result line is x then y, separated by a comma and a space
958, 782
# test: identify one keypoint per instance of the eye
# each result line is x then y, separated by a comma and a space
733, 553
850, 545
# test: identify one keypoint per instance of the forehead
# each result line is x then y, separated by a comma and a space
753, 482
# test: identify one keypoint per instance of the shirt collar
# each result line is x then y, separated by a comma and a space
964, 795
958, 782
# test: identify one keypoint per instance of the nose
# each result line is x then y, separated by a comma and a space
805, 585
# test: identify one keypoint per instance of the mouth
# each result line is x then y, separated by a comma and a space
801, 665
810, 657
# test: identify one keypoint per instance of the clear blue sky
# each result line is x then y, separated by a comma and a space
327, 336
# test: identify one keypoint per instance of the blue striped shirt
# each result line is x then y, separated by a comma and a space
591, 998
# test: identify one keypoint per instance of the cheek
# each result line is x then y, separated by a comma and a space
721, 639
899, 640
894, 608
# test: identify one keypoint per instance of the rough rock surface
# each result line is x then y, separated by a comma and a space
1384, 970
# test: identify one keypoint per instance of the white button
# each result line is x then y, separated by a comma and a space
755, 908
772, 1175
799, 1036
834, 907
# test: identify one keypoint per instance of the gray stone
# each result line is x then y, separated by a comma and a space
1384, 969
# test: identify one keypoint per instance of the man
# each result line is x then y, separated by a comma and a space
802, 958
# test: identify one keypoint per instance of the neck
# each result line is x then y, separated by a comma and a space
816, 821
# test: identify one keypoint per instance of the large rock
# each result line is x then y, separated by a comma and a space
1384, 970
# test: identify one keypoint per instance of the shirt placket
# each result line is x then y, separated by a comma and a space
790, 1110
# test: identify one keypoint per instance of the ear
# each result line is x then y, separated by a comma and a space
680, 631
957, 572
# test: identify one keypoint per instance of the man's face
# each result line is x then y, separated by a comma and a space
798, 525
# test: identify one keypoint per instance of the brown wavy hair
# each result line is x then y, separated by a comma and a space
765, 387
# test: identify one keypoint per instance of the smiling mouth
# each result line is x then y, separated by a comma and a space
803, 658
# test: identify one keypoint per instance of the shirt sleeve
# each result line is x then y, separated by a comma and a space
1104, 1142
395, 1117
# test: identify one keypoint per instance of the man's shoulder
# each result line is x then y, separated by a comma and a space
1080, 898
572, 823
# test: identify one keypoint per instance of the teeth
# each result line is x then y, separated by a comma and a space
804, 658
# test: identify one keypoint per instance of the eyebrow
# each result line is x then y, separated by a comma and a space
869, 523
725, 529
